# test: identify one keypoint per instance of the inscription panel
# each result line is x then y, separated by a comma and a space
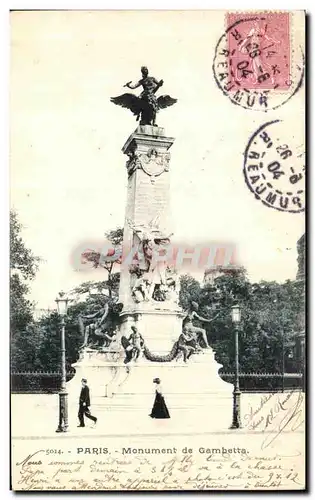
151, 199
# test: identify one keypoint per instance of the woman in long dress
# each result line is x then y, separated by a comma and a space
159, 409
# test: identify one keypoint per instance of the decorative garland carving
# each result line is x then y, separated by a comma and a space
162, 358
153, 163
135, 346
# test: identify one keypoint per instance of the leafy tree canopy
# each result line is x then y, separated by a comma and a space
272, 314
22, 258
23, 267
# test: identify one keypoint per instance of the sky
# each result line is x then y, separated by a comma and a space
68, 176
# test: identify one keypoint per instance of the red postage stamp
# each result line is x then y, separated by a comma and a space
258, 62
259, 47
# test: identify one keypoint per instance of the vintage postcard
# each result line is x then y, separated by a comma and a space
157, 165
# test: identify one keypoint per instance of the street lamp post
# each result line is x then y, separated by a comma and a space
236, 423
62, 306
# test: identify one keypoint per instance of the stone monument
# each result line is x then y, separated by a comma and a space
153, 341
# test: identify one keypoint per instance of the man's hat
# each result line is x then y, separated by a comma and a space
156, 380
84, 380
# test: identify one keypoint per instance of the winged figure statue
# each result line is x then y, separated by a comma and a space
147, 104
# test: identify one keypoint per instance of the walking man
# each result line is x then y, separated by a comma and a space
84, 404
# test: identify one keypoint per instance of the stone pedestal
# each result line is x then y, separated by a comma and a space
160, 328
193, 389
148, 201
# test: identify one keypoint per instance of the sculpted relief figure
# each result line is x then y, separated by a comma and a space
147, 104
187, 344
154, 280
173, 285
133, 346
200, 333
140, 290
95, 327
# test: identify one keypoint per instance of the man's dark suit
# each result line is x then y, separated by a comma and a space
84, 404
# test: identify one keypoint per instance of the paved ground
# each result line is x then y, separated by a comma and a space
37, 416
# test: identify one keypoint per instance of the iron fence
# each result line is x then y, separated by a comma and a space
37, 381
49, 382
267, 382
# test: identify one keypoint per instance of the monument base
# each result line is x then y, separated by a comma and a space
159, 325
193, 388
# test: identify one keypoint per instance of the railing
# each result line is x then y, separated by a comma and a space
37, 381
266, 382
49, 382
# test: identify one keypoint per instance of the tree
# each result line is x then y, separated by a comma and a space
24, 349
21, 309
278, 309
49, 326
90, 296
22, 258
115, 237
23, 267
271, 317
189, 291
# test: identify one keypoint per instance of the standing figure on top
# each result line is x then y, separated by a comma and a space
147, 104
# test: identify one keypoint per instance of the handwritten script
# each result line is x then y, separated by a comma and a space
274, 414
188, 471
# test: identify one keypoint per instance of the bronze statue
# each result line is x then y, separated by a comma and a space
96, 328
187, 344
140, 290
133, 346
147, 104
93, 326
200, 333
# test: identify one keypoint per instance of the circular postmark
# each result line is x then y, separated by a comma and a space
256, 63
274, 167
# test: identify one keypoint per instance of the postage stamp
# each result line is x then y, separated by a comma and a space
256, 63
274, 168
